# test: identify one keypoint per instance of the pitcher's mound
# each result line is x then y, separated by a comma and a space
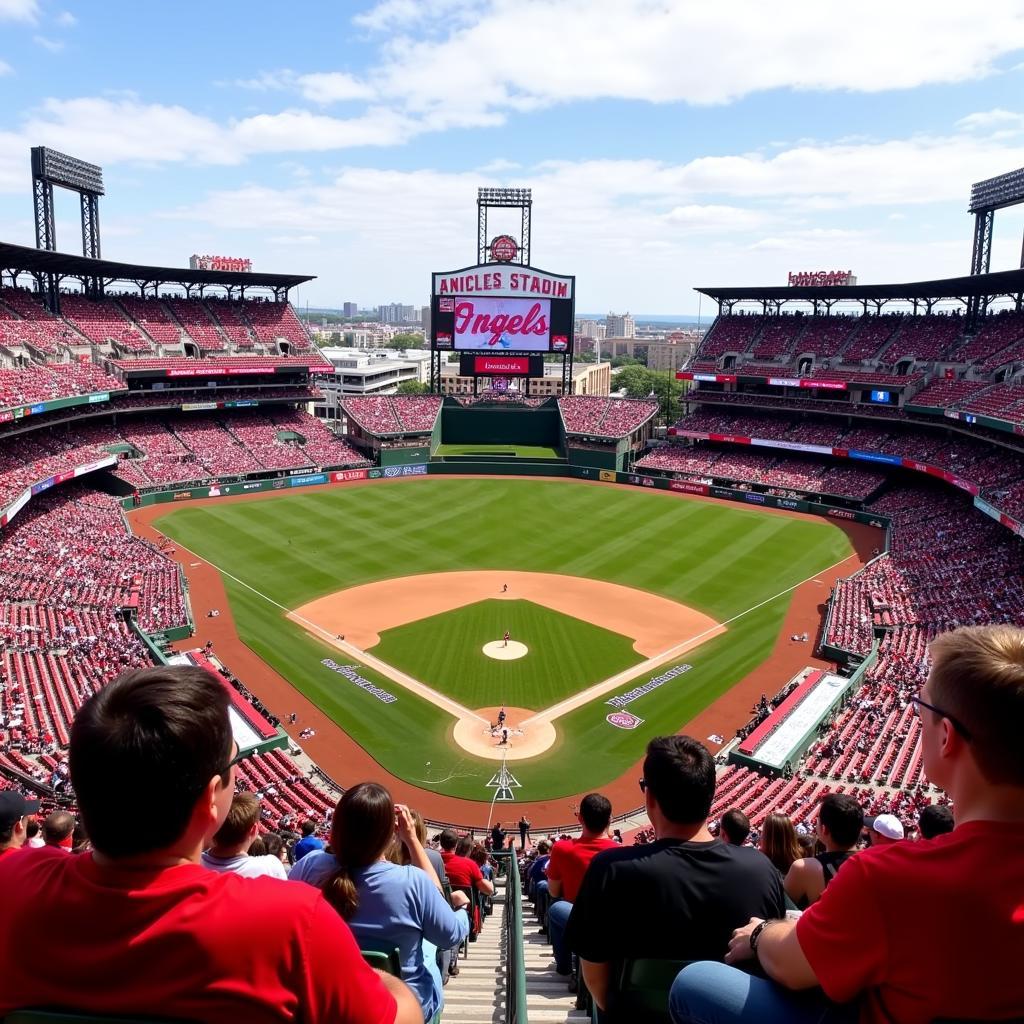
501, 651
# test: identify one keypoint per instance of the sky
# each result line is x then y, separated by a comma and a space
668, 144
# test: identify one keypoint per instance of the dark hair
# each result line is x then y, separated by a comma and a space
244, 813
543, 847
779, 842
58, 825
843, 817
363, 828
595, 812
273, 844
977, 678
679, 773
449, 839
258, 848
465, 844
31, 828
935, 820
308, 827
736, 826
154, 738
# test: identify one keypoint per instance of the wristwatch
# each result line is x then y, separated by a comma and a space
755, 936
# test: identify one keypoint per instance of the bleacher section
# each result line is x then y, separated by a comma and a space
594, 416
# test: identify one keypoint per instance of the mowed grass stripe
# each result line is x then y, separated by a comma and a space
565, 655
719, 559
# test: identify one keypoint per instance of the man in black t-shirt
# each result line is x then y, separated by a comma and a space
678, 898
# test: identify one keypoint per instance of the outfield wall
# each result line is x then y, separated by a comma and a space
480, 425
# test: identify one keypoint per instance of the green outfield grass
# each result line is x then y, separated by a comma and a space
566, 655
720, 559
521, 451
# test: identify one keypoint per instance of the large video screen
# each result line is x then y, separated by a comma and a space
503, 325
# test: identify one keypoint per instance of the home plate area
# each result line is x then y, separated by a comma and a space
505, 650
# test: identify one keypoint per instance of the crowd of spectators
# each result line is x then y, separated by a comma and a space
394, 414
41, 382
605, 417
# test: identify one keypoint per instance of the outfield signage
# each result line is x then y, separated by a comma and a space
652, 684
350, 673
390, 472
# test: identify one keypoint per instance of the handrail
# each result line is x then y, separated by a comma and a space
512, 925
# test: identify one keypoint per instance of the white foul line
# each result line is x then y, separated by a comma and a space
556, 710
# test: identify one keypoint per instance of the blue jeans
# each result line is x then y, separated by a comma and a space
558, 918
540, 900
713, 993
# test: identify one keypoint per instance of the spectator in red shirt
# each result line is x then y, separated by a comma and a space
15, 814
567, 866
145, 929
463, 873
910, 932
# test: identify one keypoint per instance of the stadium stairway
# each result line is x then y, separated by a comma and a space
477, 995
548, 1000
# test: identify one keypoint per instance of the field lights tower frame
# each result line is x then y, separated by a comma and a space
986, 197
51, 167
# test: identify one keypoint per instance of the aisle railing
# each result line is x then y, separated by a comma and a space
512, 926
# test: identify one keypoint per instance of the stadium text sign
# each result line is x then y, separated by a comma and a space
652, 684
234, 264
820, 278
499, 280
350, 673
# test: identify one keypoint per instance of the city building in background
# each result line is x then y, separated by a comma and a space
617, 326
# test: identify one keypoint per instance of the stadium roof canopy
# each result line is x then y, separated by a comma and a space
1005, 282
25, 259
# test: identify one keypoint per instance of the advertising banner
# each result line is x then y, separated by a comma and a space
350, 474
825, 385
890, 460
390, 472
792, 446
502, 323
731, 438
501, 364
688, 487
608, 475
102, 396
754, 498
312, 478
197, 406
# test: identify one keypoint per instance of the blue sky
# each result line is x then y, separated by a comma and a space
668, 144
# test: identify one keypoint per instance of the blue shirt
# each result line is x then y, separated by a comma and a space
398, 906
307, 844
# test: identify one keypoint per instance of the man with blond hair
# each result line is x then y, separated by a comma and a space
909, 932
230, 848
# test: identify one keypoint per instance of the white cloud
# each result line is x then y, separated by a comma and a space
508, 55
5, 68
53, 45
19, 10
332, 87
66, 19
293, 240
694, 217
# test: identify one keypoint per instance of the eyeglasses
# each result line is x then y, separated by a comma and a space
240, 755
960, 727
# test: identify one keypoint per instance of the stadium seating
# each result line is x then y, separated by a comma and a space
23, 321
152, 317
103, 323
604, 417
47, 382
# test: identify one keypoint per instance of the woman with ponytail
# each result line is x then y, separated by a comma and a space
386, 905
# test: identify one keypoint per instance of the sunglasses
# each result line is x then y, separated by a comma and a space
241, 755
918, 704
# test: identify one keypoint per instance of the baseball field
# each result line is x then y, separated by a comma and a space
401, 587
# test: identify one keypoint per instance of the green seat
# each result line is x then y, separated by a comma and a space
641, 992
389, 962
